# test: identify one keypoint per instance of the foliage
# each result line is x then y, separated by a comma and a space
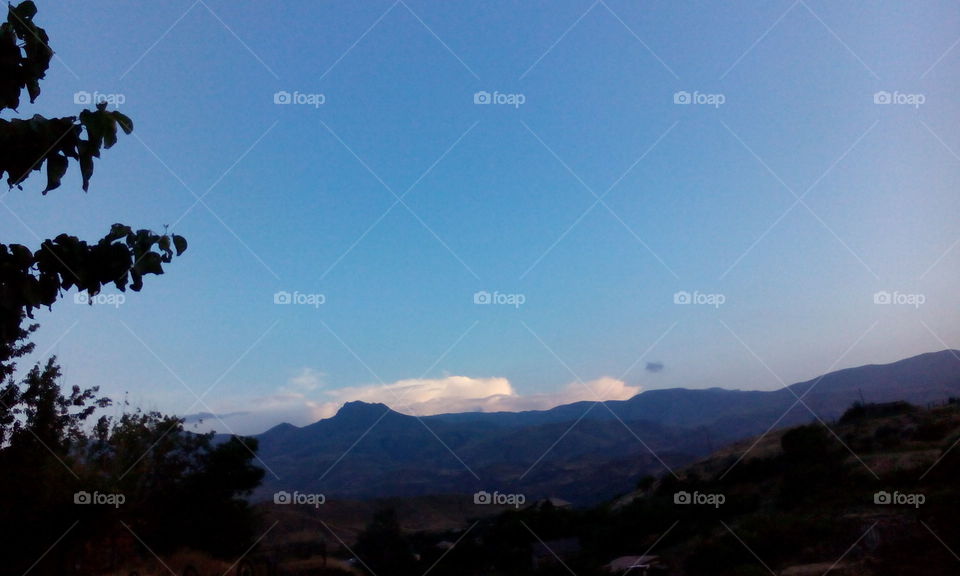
383, 547
33, 278
179, 489
860, 411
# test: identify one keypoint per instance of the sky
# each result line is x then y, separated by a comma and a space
450, 206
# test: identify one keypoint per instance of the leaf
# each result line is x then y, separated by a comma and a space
109, 132
124, 121
23, 254
25, 10
137, 280
86, 163
164, 245
118, 231
150, 263
56, 168
33, 90
180, 243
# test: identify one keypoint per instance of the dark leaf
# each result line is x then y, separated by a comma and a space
126, 124
180, 243
56, 168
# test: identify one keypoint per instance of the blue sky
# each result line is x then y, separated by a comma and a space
783, 198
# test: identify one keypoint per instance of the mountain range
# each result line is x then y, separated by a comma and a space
584, 452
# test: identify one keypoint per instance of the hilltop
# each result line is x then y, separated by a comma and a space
584, 452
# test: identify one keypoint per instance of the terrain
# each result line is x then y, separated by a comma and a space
584, 452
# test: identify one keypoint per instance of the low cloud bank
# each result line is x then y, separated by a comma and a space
304, 399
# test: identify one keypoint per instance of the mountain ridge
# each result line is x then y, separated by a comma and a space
583, 452
563, 411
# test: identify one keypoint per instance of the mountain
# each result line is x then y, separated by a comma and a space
583, 452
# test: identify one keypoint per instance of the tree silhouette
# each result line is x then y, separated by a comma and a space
49, 460
33, 278
382, 547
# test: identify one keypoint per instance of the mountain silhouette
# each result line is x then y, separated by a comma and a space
583, 452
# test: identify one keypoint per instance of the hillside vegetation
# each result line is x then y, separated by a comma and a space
873, 493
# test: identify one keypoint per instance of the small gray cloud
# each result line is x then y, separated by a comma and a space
199, 417
654, 366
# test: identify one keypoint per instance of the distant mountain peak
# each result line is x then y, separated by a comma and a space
359, 411
282, 427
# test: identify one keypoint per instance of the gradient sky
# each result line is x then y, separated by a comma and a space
596, 200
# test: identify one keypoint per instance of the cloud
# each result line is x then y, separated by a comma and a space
260, 413
306, 380
654, 367
304, 399
422, 396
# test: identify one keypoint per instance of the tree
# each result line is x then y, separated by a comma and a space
383, 548
812, 462
45, 432
33, 278
47, 459
181, 489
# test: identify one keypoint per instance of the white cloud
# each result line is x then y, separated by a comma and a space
306, 380
429, 396
304, 399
